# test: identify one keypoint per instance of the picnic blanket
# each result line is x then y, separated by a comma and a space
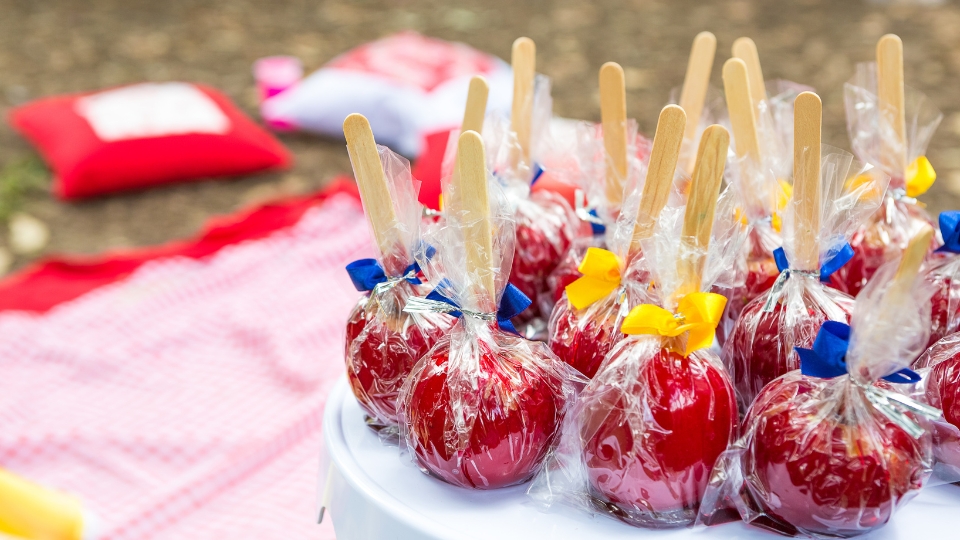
183, 398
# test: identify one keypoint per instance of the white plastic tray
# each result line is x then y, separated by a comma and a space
372, 494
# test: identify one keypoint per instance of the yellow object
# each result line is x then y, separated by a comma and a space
920, 176
783, 199
601, 276
33, 512
697, 313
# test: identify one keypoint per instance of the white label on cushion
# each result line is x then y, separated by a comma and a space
152, 110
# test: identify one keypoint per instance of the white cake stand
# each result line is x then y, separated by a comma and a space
373, 494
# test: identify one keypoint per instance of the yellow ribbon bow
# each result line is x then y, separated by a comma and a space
697, 313
28, 510
601, 276
920, 176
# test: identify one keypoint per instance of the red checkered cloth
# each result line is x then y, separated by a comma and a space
185, 401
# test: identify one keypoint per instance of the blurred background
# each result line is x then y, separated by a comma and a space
49, 47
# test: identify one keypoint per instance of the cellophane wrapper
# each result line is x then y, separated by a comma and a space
940, 367
583, 337
760, 346
382, 342
597, 214
817, 456
645, 432
483, 407
886, 233
942, 271
764, 188
545, 223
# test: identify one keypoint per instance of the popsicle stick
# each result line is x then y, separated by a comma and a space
701, 205
908, 269
890, 97
743, 118
476, 107
697, 80
663, 166
613, 111
745, 49
475, 211
524, 61
807, 117
374, 192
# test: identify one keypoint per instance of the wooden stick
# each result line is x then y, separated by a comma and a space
807, 116
745, 49
524, 61
696, 82
613, 111
890, 98
374, 192
743, 116
476, 107
698, 215
913, 256
475, 212
660, 174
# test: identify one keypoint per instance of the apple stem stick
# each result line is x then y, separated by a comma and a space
477, 221
660, 173
743, 120
476, 107
701, 205
745, 49
613, 111
890, 98
807, 117
524, 62
374, 191
696, 82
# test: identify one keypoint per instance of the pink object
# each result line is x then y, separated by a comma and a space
185, 402
273, 75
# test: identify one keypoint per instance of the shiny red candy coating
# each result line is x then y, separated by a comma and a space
876, 241
518, 408
943, 392
381, 353
651, 441
583, 343
760, 349
810, 467
545, 228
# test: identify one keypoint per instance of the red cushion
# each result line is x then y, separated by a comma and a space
86, 165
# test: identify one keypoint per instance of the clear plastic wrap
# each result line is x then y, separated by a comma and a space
835, 448
382, 342
592, 205
760, 347
545, 223
484, 406
764, 189
887, 232
642, 439
940, 366
943, 272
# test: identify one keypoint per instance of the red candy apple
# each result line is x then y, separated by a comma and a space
760, 348
495, 433
381, 350
820, 459
545, 229
875, 241
584, 337
943, 392
652, 433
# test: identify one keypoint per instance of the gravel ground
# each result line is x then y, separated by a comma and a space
49, 47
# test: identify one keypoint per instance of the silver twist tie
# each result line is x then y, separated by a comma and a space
416, 304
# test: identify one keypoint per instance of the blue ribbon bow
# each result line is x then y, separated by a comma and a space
827, 358
829, 266
537, 173
367, 274
950, 230
512, 303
